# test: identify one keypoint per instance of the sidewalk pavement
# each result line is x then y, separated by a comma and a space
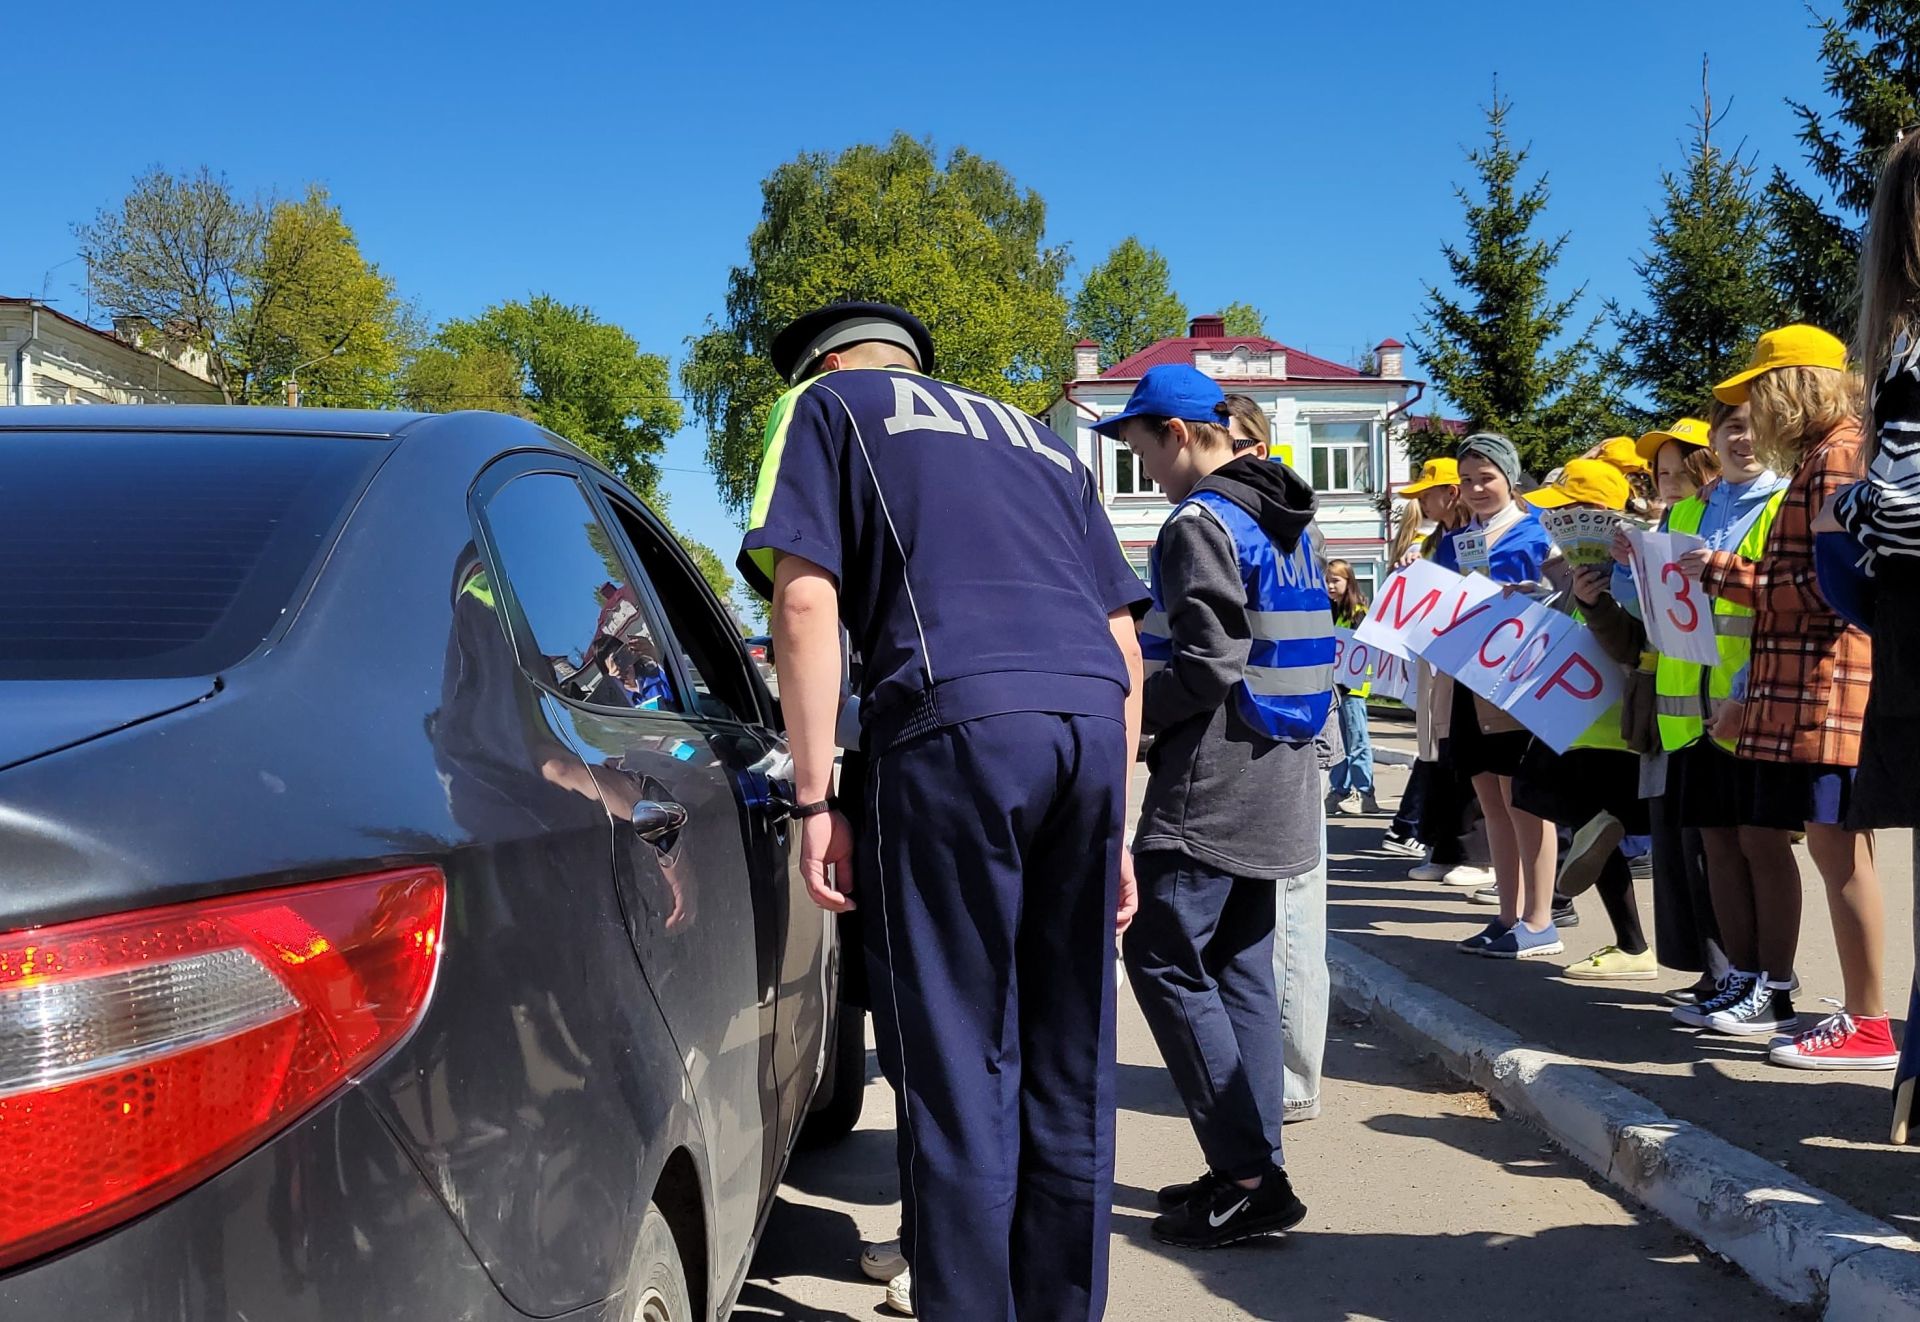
1603, 1071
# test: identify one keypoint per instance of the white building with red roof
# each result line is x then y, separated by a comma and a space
1342, 429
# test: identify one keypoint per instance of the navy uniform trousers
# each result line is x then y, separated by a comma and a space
988, 873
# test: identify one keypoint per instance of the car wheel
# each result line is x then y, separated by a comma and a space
658, 1289
843, 1084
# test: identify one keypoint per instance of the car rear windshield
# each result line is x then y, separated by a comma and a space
152, 555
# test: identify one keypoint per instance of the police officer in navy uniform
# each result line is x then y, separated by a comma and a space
966, 550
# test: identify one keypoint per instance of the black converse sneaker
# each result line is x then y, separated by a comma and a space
1231, 1214
1728, 991
1766, 1008
1179, 1195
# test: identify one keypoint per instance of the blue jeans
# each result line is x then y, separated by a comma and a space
1300, 973
1354, 774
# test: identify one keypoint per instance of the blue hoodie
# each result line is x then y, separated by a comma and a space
1730, 513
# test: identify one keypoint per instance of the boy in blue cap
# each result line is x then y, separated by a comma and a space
1239, 679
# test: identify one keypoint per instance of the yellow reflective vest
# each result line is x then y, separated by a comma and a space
1684, 690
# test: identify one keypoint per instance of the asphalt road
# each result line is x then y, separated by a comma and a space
1422, 1205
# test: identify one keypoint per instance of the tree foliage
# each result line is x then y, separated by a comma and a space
263, 287
1127, 303
1244, 319
1502, 349
1708, 291
957, 242
1871, 51
580, 377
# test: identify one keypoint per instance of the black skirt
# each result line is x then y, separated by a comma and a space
1475, 752
1570, 789
1887, 790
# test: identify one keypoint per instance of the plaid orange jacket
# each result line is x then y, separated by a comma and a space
1807, 683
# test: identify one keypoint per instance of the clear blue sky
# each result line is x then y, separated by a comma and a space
1300, 157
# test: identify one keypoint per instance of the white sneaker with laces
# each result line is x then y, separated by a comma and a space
1427, 872
900, 1294
882, 1261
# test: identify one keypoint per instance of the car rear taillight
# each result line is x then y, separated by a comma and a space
142, 1052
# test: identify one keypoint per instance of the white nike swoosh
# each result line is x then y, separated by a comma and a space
1217, 1221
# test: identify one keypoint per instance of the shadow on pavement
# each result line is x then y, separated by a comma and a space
1828, 1128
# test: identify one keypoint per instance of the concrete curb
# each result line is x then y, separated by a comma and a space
1799, 1242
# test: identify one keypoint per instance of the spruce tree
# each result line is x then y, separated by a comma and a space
1501, 350
1871, 51
1708, 289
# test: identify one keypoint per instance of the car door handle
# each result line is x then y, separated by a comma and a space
656, 819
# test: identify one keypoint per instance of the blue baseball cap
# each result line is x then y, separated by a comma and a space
1173, 390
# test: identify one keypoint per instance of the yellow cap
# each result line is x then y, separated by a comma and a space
1621, 453
1435, 473
1687, 431
1790, 346
1585, 482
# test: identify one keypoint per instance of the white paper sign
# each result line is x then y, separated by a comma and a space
1677, 613
1356, 663
1393, 677
1571, 687
1496, 648
1542, 666
1415, 602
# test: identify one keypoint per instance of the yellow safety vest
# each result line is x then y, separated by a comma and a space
1684, 689
1605, 732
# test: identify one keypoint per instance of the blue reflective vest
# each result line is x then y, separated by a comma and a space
1287, 690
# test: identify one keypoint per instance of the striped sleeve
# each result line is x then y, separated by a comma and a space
1883, 512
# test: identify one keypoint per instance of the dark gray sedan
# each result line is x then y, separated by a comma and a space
398, 917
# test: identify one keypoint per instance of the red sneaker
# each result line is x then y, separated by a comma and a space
1841, 1042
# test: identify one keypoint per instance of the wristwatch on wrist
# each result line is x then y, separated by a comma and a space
811, 809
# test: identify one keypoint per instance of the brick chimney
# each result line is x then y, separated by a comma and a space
1086, 360
1210, 327
1389, 360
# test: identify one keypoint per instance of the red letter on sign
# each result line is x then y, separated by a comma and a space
1495, 662
1392, 603
1559, 679
1459, 619
1683, 596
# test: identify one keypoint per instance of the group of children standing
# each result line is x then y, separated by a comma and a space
1803, 485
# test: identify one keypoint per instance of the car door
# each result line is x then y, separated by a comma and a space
738, 714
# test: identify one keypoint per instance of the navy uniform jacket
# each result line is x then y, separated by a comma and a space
977, 568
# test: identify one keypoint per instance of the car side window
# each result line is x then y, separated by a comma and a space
715, 658
587, 625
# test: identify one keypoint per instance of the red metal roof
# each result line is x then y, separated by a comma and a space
1389, 343
1300, 365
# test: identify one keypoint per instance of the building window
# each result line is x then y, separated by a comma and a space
1366, 578
1125, 476
1342, 455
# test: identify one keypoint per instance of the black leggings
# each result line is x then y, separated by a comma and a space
1615, 888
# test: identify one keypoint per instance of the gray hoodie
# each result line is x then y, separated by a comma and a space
1218, 791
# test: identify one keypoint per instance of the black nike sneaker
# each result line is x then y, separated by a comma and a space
1232, 1215
1179, 1195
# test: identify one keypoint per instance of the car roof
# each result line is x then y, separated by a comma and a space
372, 424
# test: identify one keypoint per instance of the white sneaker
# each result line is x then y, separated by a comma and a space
882, 1261
900, 1294
1466, 874
1428, 872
